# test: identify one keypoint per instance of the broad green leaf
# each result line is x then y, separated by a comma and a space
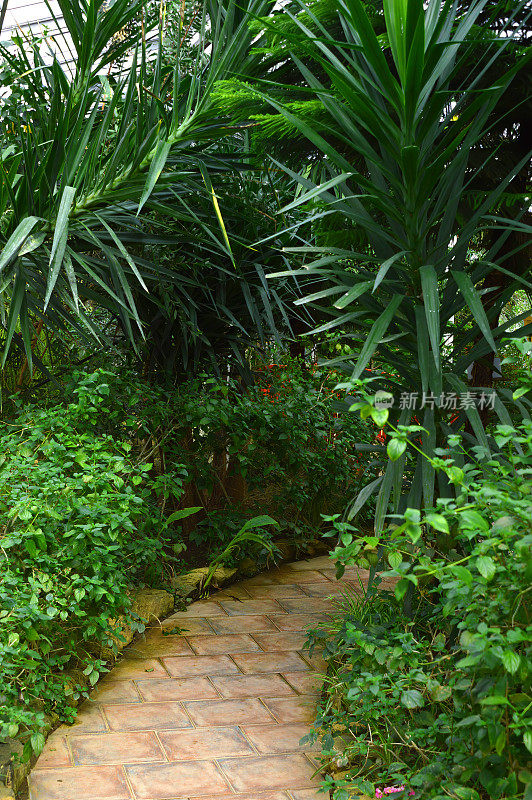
412, 698
462, 573
440, 693
395, 560
472, 520
438, 522
511, 661
396, 448
486, 566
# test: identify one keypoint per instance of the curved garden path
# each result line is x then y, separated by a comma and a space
211, 705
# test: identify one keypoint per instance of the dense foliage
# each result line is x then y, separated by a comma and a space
405, 177
428, 687
79, 528
279, 446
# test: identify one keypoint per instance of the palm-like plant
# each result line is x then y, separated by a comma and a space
402, 121
93, 164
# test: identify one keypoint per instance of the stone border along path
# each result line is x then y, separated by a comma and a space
211, 705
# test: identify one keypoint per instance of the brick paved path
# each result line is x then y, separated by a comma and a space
214, 709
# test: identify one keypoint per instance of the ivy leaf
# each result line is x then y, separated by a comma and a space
486, 566
511, 661
411, 698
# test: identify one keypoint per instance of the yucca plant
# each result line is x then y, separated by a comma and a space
104, 166
405, 110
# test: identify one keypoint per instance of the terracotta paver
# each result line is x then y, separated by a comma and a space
202, 743
165, 689
232, 643
115, 748
252, 686
278, 738
269, 772
213, 703
225, 712
146, 716
269, 662
250, 623
166, 781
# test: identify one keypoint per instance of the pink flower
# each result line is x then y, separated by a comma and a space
390, 790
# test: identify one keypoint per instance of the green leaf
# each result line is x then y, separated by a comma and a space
385, 266
182, 513
156, 167
60, 240
494, 700
462, 573
465, 793
472, 520
17, 240
316, 191
396, 448
37, 742
440, 693
378, 329
472, 298
353, 294
30, 546
438, 522
511, 661
500, 742
431, 301
486, 566
379, 416
527, 739
395, 560
412, 698
259, 522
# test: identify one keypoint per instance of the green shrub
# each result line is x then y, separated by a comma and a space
279, 447
430, 686
77, 531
